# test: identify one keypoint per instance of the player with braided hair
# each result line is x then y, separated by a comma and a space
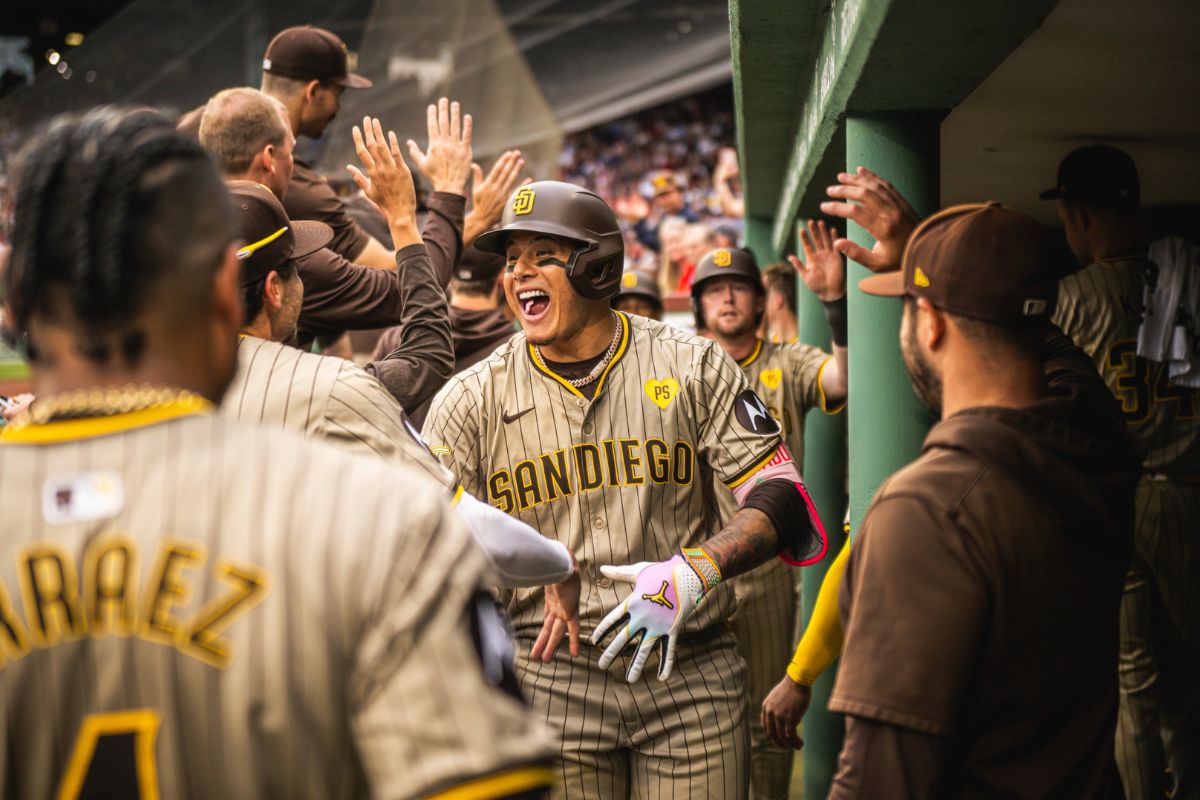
193, 623
97, 262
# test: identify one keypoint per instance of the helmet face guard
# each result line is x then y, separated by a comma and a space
569, 212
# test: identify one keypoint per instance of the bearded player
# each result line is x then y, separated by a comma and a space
605, 432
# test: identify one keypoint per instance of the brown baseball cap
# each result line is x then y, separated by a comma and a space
979, 260
476, 265
306, 53
271, 238
1096, 172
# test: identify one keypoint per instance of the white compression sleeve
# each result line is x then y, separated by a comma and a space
521, 555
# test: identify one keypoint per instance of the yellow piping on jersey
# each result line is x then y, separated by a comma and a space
821, 390
522, 779
753, 470
458, 493
748, 360
72, 429
542, 368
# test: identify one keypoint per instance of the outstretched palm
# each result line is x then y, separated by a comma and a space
823, 269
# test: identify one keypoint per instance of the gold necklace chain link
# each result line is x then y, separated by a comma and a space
596, 370
103, 402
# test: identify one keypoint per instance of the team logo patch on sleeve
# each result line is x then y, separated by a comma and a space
771, 378
662, 392
752, 415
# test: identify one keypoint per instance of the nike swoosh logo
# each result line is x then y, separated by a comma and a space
514, 417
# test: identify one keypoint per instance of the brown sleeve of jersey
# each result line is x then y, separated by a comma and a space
443, 233
881, 760
310, 196
341, 296
909, 655
424, 359
435, 708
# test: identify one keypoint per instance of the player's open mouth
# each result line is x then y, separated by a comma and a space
534, 304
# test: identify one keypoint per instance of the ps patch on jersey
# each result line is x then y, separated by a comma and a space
752, 415
662, 392
82, 497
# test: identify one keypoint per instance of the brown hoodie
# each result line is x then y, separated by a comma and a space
981, 603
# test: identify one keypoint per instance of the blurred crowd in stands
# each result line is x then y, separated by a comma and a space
671, 174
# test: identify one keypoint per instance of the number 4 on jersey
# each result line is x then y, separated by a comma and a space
114, 757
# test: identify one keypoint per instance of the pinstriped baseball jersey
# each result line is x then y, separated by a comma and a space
202, 608
325, 398
1100, 308
788, 379
623, 478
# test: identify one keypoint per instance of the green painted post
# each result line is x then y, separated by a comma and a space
825, 475
887, 422
758, 240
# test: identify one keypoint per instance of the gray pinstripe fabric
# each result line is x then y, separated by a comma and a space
323, 397
624, 521
352, 674
786, 376
1159, 724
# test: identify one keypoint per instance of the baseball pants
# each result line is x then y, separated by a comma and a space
685, 739
1158, 727
764, 625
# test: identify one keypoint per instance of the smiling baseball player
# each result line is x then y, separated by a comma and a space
604, 431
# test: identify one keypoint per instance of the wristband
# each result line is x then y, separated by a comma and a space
704, 566
835, 314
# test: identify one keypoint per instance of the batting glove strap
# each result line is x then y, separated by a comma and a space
704, 565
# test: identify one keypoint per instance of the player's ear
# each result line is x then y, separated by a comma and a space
273, 292
931, 324
311, 89
267, 157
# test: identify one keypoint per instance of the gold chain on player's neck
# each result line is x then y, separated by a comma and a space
596, 370
104, 402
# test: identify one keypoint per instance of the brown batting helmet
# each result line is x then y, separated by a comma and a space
571, 212
721, 263
635, 284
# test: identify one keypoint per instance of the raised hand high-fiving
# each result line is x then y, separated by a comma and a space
446, 161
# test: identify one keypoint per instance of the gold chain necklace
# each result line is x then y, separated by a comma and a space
105, 402
596, 370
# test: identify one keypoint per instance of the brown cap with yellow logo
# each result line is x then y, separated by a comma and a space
979, 260
271, 238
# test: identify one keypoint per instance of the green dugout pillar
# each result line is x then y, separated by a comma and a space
825, 476
886, 421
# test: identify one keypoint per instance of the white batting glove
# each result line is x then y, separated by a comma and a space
665, 594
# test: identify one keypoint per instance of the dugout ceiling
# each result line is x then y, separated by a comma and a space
530, 69
1022, 82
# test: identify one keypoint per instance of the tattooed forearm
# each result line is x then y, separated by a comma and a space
747, 541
